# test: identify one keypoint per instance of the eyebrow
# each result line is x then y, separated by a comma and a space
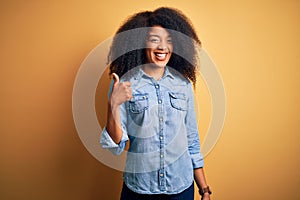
157, 35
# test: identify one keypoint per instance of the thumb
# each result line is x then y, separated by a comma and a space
116, 78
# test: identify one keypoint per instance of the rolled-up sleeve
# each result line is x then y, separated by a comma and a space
107, 142
192, 132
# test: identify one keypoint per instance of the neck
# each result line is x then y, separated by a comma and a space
154, 71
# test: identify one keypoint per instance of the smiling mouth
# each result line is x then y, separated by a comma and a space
161, 56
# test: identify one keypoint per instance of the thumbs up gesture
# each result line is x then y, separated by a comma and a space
121, 91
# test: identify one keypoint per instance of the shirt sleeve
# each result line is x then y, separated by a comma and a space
106, 141
192, 131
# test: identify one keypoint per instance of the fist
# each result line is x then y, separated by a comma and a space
121, 92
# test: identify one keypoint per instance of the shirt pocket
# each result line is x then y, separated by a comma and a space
139, 103
178, 101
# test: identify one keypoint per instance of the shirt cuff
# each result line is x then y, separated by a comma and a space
197, 161
107, 143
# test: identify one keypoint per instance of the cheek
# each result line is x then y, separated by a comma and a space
148, 54
170, 48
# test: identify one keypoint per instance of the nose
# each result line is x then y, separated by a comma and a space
162, 45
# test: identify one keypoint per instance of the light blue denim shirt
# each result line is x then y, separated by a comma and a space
160, 123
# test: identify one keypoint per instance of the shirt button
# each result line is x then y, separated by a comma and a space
161, 155
161, 119
161, 137
159, 101
156, 86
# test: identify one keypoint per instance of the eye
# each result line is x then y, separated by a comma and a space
170, 41
154, 40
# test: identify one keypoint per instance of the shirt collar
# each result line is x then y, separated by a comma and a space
141, 74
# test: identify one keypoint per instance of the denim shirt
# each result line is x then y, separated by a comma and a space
160, 123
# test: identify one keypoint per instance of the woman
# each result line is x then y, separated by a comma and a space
152, 107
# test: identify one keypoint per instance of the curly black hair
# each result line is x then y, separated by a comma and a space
128, 48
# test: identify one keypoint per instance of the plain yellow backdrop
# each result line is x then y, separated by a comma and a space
255, 45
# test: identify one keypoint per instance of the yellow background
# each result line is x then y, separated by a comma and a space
255, 45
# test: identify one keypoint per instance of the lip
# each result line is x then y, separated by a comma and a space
161, 56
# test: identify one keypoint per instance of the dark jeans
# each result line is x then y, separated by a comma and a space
187, 194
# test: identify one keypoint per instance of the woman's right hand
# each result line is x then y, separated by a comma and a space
121, 92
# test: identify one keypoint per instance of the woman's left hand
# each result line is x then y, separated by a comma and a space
205, 196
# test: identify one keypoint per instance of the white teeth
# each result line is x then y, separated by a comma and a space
161, 55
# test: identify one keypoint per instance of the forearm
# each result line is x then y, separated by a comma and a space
121, 93
200, 178
201, 183
113, 125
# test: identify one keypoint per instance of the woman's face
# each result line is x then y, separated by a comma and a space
159, 46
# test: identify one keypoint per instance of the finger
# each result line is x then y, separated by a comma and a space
127, 84
116, 78
129, 96
128, 90
128, 93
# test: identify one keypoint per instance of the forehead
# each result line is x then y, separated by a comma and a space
159, 31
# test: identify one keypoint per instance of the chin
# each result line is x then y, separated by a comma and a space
159, 64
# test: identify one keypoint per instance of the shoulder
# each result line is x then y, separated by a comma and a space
131, 75
179, 78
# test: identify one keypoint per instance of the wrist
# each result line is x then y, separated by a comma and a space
112, 104
205, 191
